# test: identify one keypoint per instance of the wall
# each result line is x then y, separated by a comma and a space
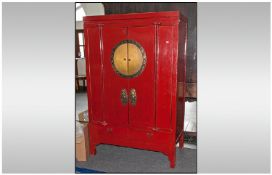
91, 9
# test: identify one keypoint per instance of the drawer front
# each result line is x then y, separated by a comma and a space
149, 137
132, 137
112, 134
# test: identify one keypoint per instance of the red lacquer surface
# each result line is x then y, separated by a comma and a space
155, 122
142, 114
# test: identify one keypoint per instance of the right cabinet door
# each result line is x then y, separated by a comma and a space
141, 66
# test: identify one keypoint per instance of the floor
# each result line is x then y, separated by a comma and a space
116, 159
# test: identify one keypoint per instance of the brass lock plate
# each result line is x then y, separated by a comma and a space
128, 59
133, 97
124, 97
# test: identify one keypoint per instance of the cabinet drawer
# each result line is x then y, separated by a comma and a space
113, 133
152, 137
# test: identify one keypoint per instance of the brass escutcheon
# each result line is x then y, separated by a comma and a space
133, 97
124, 96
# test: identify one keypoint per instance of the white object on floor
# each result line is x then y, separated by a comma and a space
187, 145
190, 117
79, 129
81, 103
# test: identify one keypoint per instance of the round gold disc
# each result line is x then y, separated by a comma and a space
128, 58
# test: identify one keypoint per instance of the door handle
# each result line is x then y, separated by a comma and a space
133, 97
124, 96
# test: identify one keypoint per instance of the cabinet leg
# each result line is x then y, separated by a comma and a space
77, 85
181, 142
172, 157
92, 149
84, 84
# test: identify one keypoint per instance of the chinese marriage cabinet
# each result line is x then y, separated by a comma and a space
134, 65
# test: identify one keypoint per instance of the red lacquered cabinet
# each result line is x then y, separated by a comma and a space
134, 63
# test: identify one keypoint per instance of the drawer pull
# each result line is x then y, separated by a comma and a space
149, 135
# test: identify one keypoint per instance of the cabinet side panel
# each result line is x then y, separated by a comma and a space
181, 77
94, 73
164, 74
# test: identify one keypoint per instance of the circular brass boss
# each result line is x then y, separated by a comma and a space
128, 59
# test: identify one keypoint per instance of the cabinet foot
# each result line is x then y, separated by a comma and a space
181, 142
172, 158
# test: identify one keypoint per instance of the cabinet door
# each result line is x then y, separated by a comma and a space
115, 86
142, 85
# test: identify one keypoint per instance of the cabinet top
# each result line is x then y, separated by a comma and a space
165, 14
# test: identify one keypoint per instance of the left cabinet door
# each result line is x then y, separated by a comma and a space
115, 86
107, 89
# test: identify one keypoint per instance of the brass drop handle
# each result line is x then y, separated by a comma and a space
124, 97
133, 97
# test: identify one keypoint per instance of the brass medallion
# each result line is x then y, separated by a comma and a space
128, 59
